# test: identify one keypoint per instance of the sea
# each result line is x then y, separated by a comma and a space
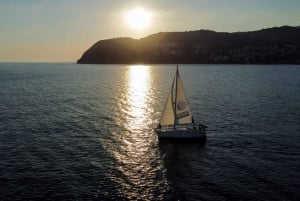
86, 132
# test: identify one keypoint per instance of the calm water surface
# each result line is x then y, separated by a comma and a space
85, 132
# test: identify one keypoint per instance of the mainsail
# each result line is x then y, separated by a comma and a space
183, 112
178, 107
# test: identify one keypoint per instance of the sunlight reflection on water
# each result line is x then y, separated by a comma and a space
136, 158
139, 97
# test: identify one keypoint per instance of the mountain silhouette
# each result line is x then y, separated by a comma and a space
267, 46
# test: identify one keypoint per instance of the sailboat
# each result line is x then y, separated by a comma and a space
177, 121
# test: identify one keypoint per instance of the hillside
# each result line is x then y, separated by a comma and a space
267, 46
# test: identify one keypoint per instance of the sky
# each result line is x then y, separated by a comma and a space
61, 30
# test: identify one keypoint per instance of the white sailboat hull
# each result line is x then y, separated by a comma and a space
181, 134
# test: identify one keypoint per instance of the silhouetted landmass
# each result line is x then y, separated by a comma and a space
278, 45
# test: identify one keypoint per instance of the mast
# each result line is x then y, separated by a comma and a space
175, 103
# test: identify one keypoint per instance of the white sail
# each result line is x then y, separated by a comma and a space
183, 112
168, 116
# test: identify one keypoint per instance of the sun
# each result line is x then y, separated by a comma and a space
138, 18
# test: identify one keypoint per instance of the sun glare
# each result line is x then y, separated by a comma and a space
138, 18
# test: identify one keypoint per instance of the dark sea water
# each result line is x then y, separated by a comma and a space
86, 132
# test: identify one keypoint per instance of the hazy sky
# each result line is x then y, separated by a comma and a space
61, 30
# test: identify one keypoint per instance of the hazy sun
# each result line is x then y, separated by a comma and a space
138, 18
